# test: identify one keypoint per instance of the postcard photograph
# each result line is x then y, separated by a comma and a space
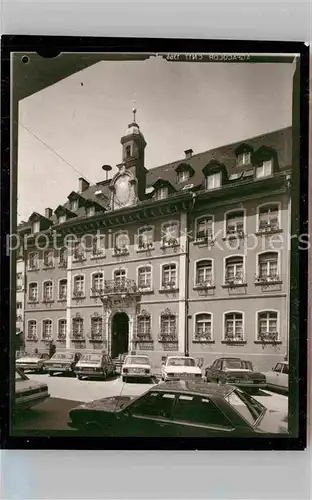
153, 247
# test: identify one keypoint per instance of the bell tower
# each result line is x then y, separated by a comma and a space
133, 147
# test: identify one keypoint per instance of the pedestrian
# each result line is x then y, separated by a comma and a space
52, 349
36, 351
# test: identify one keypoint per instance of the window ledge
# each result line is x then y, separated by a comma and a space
49, 301
268, 342
61, 340
204, 287
268, 282
269, 232
234, 236
168, 290
141, 341
74, 297
234, 285
145, 290
99, 256
74, 339
142, 250
234, 342
175, 245
32, 339
203, 241
76, 261
203, 341
167, 341
121, 254
62, 300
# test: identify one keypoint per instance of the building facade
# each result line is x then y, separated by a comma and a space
189, 257
20, 301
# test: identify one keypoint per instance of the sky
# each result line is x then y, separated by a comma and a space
74, 127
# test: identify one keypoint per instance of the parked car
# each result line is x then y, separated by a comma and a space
119, 361
32, 361
236, 371
180, 367
94, 365
179, 408
277, 378
62, 362
136, 366
28, 392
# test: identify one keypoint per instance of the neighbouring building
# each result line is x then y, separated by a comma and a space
178, 258
20, 300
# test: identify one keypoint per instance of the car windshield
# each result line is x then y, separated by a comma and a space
181, 362
96, 358
32, 355
248, 407
137, 360
63, 355
229, 364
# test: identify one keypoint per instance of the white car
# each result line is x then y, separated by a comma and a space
32, 361
136, 366
180, 367
277, 378
28, 393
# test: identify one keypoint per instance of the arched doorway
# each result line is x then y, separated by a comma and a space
120, 334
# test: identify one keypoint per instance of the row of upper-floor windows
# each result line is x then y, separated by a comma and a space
267, 327
235, 226
268, 271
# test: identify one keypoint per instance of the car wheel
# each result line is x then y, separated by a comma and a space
51, 374
79, 377
104, 375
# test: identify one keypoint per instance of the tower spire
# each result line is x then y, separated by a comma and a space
134, 111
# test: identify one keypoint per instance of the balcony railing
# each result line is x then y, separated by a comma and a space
117, 287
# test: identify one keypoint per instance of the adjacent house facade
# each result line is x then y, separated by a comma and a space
189, 257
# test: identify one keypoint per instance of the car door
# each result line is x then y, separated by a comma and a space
273, 376
149, 415
198, 416
214, 372
283, 377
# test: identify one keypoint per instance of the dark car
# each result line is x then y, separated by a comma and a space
62, 362
179, 408
95, 365
236, 371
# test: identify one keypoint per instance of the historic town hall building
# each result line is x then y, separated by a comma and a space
189, 257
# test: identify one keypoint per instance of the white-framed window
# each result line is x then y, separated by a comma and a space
77, 327
183, 175
62, 327
122, 243
32, 329
161, 193
19, 306
244, 158
63, 257
144, 325
204, 277
203, 326
265, 169
268, 218
62, 219
267, 323
48, 291
96, 327
98, 245
170, 233
33, 292
62, 292
234, 223
234, 270
97, 282
204, 228
233, 326
119, 277
145, 238
145, 278
79, 286
19, 281
213, 181
36, 226
19, 311
169, 276
48, 258
168, 326
79, 251
33, 261
46, 329
268, 267
74, 205
90, 211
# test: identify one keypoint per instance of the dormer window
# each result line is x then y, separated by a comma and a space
213, 181
244, 158
90, 211
36, 226
74, 205
62, 219
265, 169
161, 193
183, 176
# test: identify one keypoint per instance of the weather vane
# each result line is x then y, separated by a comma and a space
134, 110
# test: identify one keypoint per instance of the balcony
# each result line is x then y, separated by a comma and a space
124, 287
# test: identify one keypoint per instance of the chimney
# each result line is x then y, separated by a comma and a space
48, 213
188, 153
83, 184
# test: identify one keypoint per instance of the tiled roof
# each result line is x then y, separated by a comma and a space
280, 141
